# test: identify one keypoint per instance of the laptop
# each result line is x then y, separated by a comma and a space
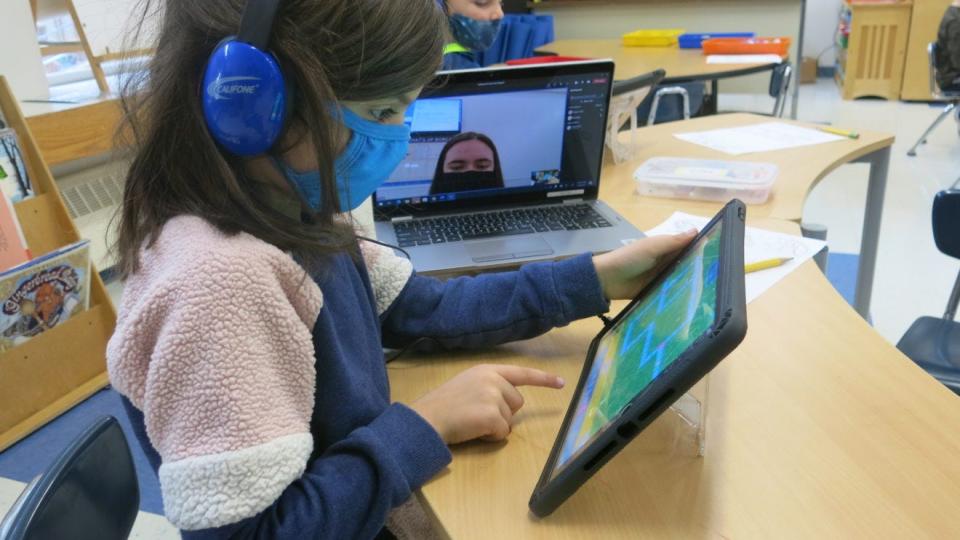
503, 169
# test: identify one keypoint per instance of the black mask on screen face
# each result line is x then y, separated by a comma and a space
452, 182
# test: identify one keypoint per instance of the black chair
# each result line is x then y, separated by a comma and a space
781, 77
934, 343
952, 96
780, 81
89, 492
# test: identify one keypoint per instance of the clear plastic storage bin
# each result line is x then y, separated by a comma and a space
707, 180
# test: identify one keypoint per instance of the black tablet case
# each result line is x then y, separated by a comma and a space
700, 358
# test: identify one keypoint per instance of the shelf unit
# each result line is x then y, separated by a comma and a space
872, 63
61, 367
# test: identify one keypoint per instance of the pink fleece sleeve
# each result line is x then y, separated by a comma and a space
218, 354
389, 273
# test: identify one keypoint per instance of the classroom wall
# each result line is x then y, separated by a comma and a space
769, 17
822, 18
20, 60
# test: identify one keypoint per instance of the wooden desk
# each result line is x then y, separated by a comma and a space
817, 428
681, 65
800, 170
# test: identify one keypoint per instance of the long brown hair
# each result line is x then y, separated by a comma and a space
330, 50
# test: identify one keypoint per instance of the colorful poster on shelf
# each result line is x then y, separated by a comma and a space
43, 293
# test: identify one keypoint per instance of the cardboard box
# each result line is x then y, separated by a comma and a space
808, 70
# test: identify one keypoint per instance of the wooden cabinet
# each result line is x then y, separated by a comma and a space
923, 30
872, 65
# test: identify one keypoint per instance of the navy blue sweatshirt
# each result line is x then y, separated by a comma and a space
368, 454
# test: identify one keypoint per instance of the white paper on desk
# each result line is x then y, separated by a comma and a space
759, 245
764, 137
744, 59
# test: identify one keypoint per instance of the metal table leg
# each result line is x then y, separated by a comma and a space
798, 64
817, 232
879, 167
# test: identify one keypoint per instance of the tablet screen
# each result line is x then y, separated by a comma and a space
644, 342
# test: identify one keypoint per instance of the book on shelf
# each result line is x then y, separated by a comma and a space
14, 177
43, 293
13, 245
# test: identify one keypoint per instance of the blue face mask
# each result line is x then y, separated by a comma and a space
475, 35
372, 154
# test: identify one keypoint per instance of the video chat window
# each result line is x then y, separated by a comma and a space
466, 144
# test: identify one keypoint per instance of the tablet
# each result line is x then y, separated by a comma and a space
679, 327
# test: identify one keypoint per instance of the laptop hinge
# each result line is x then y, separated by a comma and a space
573, 201
401, 218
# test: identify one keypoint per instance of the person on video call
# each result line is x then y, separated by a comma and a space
467, 162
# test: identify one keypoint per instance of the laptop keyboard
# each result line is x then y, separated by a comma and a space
572, 217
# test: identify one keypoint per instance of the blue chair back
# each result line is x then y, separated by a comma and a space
519, 36
777, 78
89, 492
946, 222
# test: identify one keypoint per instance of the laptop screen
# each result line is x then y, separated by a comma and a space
505, 135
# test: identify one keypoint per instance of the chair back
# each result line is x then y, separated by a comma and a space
779, 87
519, 36
89, 492
946, 222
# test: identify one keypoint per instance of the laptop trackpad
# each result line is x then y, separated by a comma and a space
508, 248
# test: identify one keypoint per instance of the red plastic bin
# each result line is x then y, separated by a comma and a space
760, 45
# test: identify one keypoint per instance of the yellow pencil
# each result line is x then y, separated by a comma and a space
841, 132
763, 265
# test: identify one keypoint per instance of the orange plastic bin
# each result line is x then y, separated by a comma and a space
760, 45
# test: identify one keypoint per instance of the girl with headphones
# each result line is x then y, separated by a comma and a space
248, 346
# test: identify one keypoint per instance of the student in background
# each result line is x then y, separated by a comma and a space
948, 49
248, 344
467, 162
474, 25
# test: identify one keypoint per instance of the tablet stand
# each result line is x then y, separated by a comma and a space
681, 430
691, 410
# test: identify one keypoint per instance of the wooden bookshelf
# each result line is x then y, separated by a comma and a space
57, 369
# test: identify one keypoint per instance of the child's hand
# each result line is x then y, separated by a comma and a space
623, 271
480, 402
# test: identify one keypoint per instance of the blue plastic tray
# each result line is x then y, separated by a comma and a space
695, 41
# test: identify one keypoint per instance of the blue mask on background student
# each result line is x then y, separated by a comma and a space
475, 35
372, 154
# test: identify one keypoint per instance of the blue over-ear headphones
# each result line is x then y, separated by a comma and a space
243, 92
